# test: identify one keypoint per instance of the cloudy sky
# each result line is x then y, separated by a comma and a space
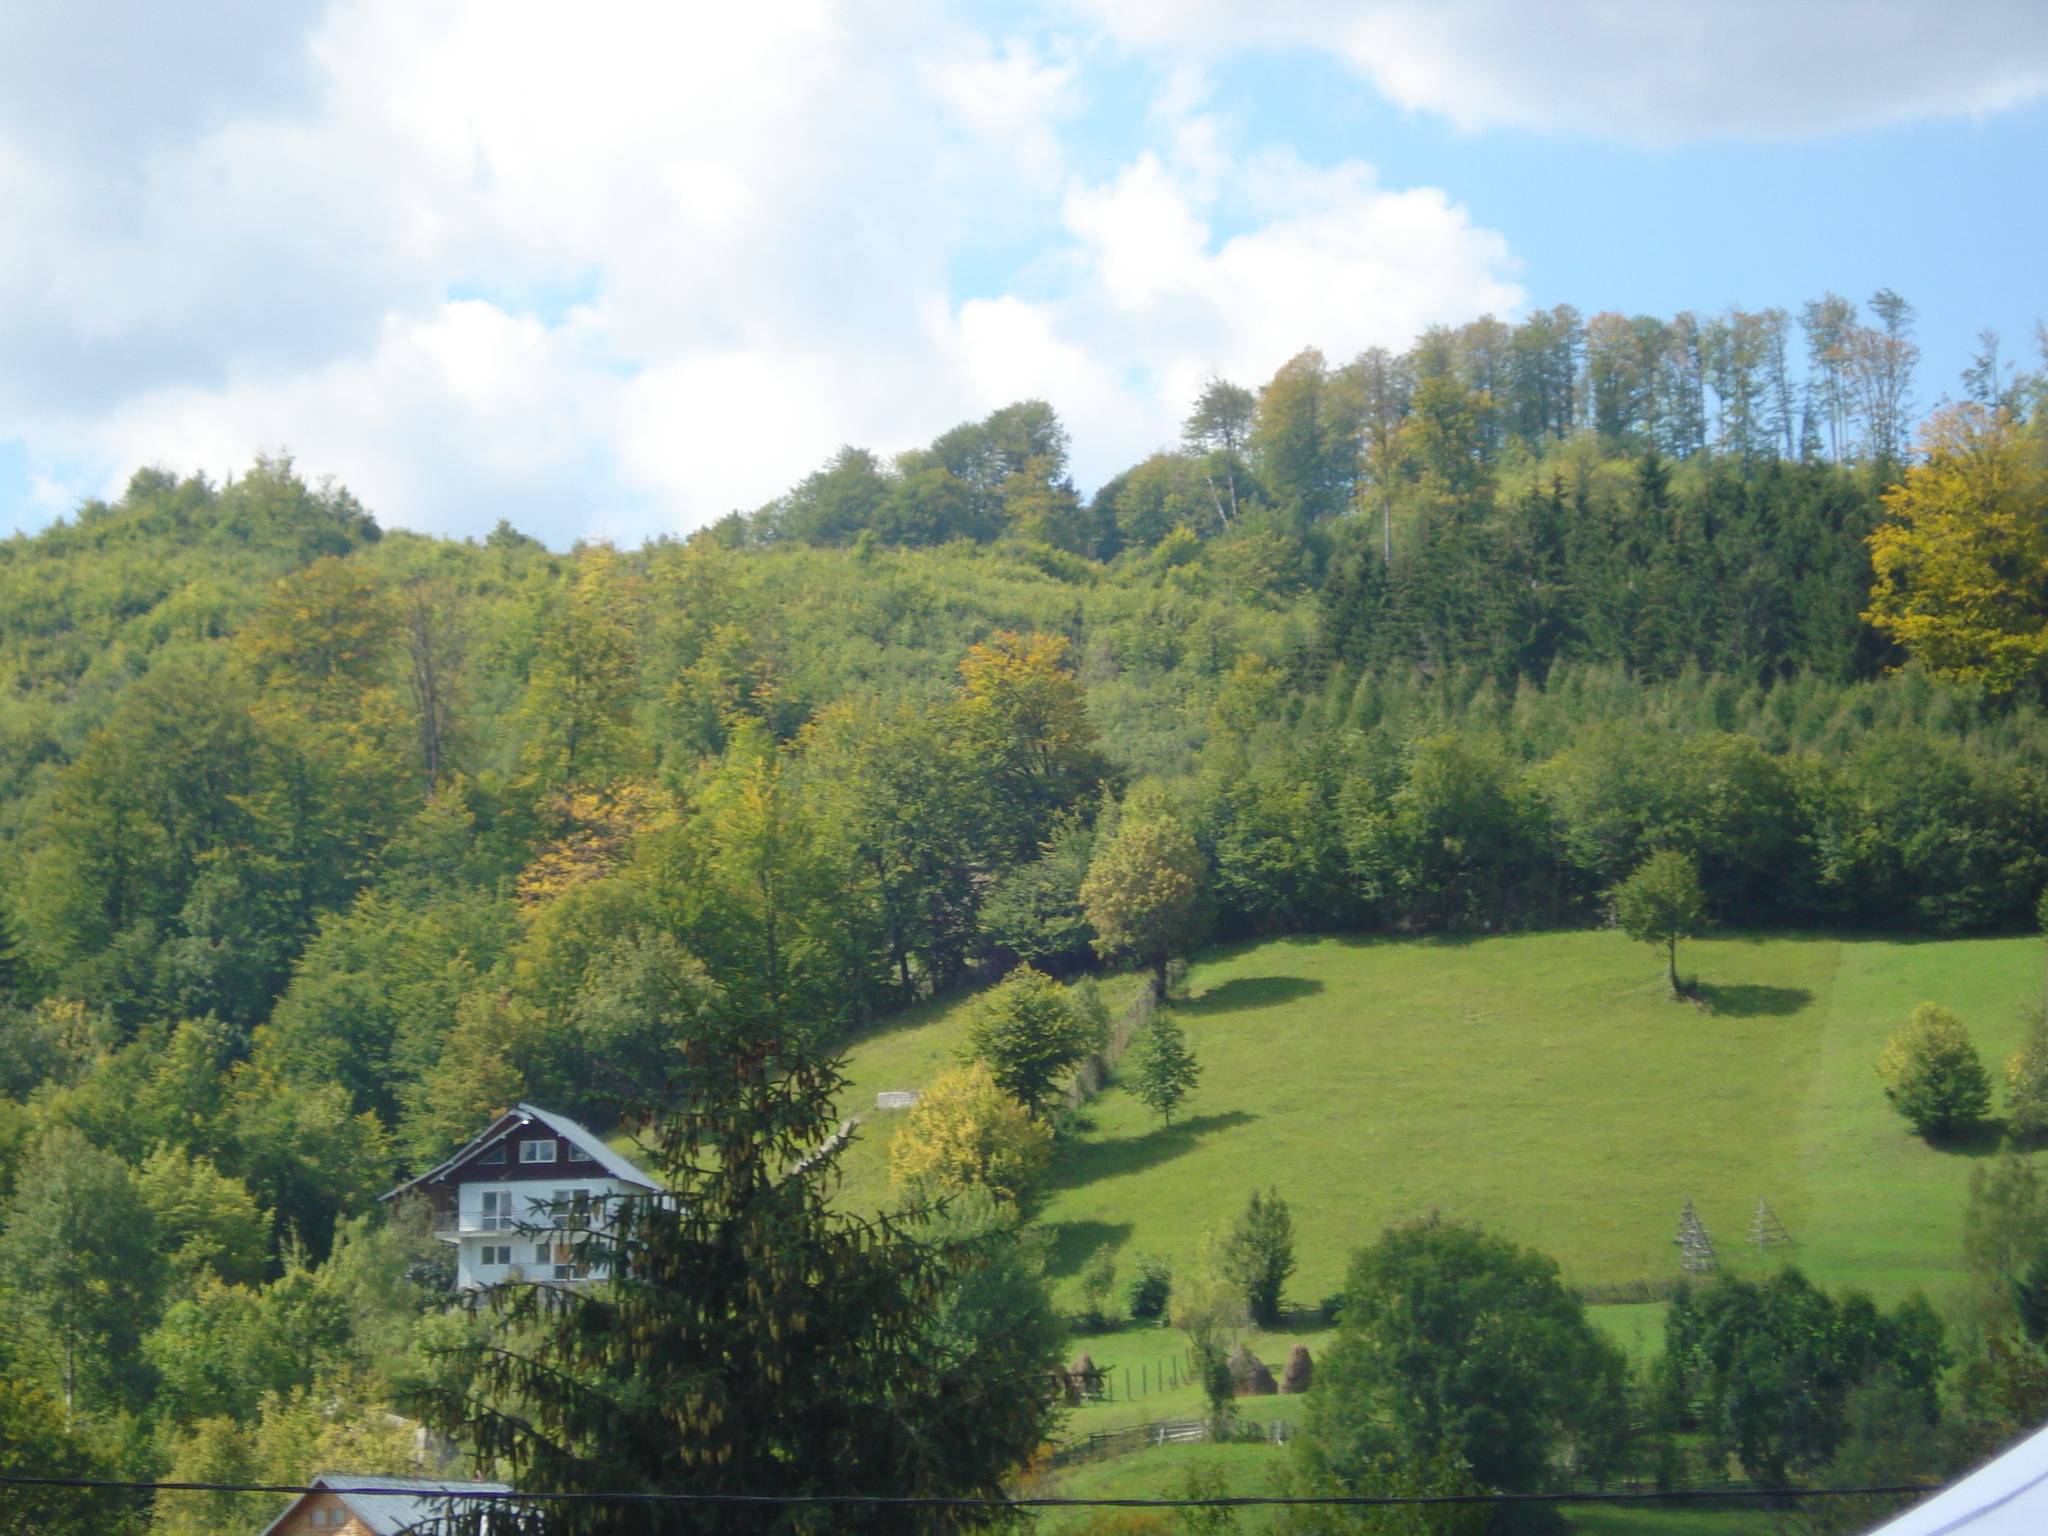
618, 268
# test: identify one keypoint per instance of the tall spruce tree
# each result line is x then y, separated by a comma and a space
748, 1339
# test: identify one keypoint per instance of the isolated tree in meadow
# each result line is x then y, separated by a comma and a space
1660, 904
1933, 1074
1166, 1067
1031, 1031
1145, 891
965, 1132
1260, 1255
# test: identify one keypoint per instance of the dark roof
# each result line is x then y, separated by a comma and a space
405, 1503
530, 1114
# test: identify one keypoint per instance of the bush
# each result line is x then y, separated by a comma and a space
2026, 1083
1299, 1375
1932, 1073
1150, 1288
963, 1132
1261, 1255
1098, 1281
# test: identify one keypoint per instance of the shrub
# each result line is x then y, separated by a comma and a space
1098, 1281
1150, 1288
1932, 1073
1261, 1255
2026, 1083
1300, 1372
965, 1131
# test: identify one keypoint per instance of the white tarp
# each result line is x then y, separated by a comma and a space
2006, 1497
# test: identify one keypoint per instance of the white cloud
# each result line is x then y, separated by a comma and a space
629, 270
1331, 258
1656, 71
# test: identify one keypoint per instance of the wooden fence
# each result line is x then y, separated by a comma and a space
1143, 1437
1095, 1071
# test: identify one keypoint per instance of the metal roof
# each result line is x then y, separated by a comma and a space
527, 1114
389, 1513
2005, 1497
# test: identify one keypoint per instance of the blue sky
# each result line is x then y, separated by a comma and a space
616, 277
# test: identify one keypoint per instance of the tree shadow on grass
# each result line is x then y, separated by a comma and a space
1750, 1000
1984, 1139
1114, 1156
1074, 1241
1242, 992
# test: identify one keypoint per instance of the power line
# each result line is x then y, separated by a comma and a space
941, 1501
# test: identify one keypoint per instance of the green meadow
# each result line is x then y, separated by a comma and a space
1542, 1085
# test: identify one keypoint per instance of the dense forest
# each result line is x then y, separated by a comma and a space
321, 841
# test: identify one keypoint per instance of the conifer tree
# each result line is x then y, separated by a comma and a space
13, 965
1167, 1068
749, 1339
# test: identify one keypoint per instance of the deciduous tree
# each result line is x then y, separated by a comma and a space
1660, 904
964, 1133
1145, 891
1961, 559
1933, 1074
1030, 1031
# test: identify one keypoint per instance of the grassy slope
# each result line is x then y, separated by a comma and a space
1543, 1086
1540, 1084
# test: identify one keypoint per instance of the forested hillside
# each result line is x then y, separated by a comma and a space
321, 841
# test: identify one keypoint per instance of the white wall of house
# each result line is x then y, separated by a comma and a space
505, 1227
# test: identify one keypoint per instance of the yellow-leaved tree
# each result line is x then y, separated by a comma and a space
1961, 560
963, 1132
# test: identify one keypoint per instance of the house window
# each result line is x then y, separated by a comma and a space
564, 1207
497, 1211
543, 1253
578, 1155
497, 1254
493, 1154
536, 1151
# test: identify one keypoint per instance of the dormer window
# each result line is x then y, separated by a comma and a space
494, 1154
536, 1151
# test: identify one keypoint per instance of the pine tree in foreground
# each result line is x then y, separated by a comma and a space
750, 1340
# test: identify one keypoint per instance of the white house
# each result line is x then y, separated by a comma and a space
514, 1200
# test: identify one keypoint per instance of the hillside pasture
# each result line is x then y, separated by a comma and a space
1543, 1085
1546, 1086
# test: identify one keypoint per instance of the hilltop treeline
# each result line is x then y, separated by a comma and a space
319, 842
